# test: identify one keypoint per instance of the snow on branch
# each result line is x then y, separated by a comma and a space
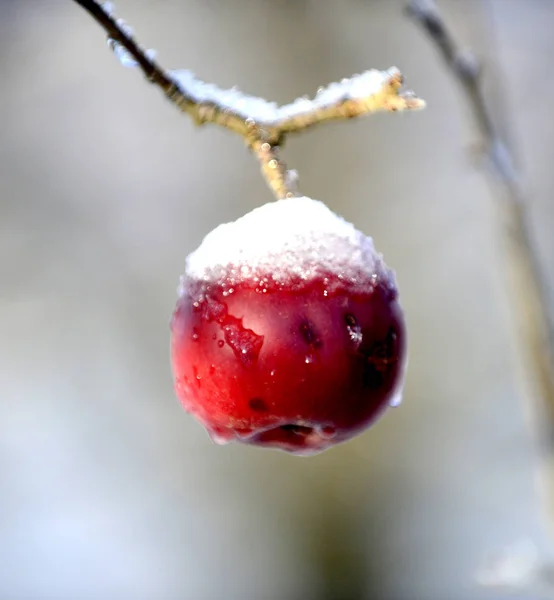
262, 124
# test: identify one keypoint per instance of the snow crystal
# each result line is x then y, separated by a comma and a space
122, 54
295, 238
108, 8
257, 109
125, 57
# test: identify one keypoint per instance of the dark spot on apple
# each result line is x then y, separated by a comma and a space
257, 404
350, 320
309, 334
371, 378
379, 358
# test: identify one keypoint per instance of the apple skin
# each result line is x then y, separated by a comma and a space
298, 368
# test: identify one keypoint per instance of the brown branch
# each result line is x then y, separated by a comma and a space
200, 113
261, 124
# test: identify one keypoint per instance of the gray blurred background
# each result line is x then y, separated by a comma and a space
108, 490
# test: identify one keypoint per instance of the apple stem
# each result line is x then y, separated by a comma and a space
263, 125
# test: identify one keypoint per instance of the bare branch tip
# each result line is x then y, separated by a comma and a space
413, 102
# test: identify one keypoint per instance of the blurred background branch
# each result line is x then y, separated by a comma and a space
533, 323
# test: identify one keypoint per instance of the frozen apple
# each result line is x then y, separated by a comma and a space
287, 332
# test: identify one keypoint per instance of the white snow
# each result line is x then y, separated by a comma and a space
260, 110
108, 8
125, 57
122, 54
296, 238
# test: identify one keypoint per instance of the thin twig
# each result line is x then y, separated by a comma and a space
118, 33
279, 179
262, 125
528, 292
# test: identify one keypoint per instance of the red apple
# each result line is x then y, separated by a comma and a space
287, 332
